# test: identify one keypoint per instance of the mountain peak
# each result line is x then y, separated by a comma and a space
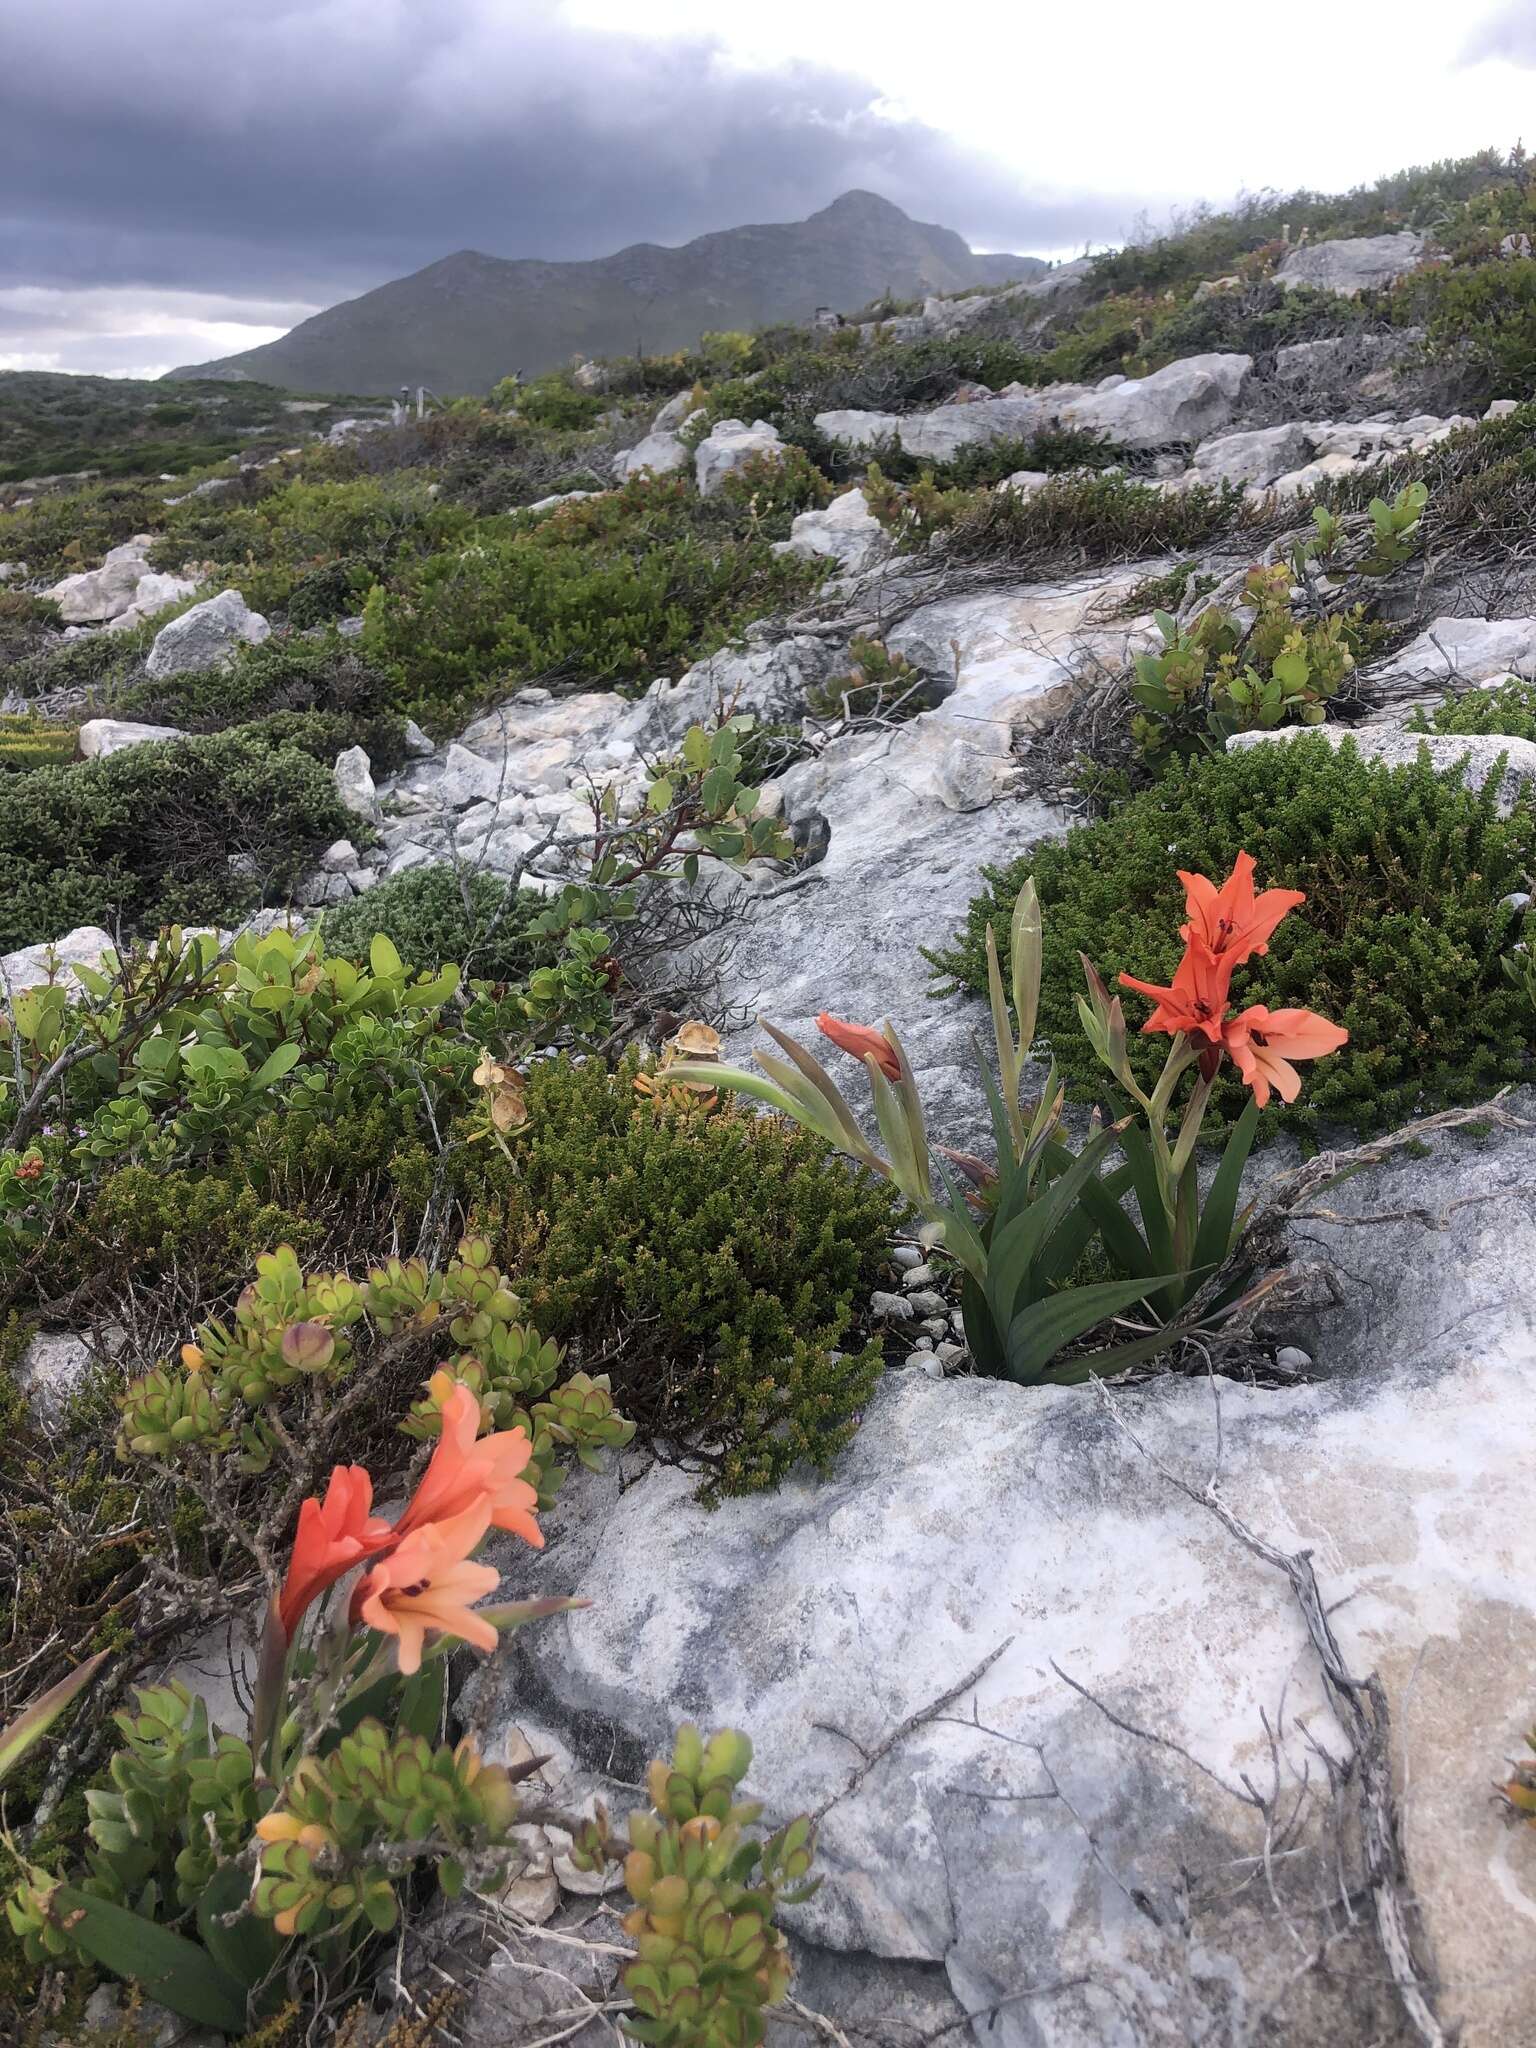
858, 205
469, 318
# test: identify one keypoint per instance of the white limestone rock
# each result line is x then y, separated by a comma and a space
856, 429
1353, 264
1257, 457
99, 737
354, 782
1189, 400
1468, 650
206, 636
28, 966
729, 445
1016, 1835
846, 531
659, 454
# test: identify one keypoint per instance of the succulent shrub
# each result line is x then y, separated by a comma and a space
1404, 872
710, 1262
1220, 675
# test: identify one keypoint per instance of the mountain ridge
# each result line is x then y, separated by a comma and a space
467, 318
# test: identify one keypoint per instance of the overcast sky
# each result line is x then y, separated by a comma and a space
183, 178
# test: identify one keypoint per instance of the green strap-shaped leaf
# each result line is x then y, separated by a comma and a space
249, 1948
1213, 1240
1039, 1331
171, 1969
1016, 1244
35, 1721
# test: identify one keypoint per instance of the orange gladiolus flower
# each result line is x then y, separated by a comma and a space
1197, 1000
333, 1535
1263, 1043
463, 1472
860, 1039
427, 1584
1231, 921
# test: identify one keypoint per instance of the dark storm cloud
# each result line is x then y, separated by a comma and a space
311, 151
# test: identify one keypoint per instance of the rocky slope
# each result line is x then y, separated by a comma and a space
1157, 1712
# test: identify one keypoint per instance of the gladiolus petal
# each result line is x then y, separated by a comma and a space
862, 1040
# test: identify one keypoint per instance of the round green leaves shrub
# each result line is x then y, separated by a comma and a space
1399, 939
713, 1264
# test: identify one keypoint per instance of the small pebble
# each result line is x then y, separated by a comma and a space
891, 1308
949, 1354
1291, 1358
1519, 900
957, 1322
934, 1325
925, 1359
927, 1303
920, 1276
906, 1256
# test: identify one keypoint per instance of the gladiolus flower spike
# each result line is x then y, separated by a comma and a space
862, 1040
1228, 926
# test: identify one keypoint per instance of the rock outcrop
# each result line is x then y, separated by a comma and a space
1031, 1656
206, 636
1353, 264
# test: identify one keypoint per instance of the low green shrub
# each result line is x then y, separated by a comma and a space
1481, 320
29, 740
1509, 710
710, 1263
612, 591
437, 914
348, 1188
322, 687
194, 831
1071, 519
1404, 871
61, 531
554, 401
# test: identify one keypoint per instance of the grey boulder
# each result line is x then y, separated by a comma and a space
206, 636
846, 532
1187, 401
1255, 457
1352, 264
728, 446
659, 454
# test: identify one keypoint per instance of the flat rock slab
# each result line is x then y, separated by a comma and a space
1355, 263
99, 737
1003, 1827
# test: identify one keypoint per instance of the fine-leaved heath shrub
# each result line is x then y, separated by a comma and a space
1508, 710
711, 1263
1404, 871
195, 831
439, 913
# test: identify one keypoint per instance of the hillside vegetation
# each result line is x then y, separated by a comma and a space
402, 821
